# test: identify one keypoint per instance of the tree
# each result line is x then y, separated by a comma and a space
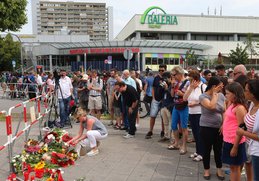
9, 50
250, 45
191, 57
12, 14
238, 56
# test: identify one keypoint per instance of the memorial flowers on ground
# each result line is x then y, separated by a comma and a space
44, 159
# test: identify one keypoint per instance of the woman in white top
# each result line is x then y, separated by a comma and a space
252, 124
195, 89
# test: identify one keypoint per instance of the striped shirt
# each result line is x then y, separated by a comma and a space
249, 121
96, 83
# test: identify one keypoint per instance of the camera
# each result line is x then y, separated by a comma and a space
243, 126
56, 75
162, 84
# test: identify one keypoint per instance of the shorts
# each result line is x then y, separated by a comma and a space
155, 107
95, 103
180, 115
237, 160
248, 156
117, 112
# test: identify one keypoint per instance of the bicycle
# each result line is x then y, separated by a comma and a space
144, 109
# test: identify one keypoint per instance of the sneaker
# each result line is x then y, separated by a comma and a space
193, 155
198, 158
93, 152
149, 135
127, 136
123, 128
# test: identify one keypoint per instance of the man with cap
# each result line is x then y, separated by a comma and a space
83, 92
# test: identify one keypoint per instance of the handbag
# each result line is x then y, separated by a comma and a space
181, 106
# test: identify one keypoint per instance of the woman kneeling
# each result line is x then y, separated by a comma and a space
95, 131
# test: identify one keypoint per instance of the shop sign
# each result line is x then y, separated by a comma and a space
156, 20
101, 50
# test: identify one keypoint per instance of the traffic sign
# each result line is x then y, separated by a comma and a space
128, 54
13, 63
109, 60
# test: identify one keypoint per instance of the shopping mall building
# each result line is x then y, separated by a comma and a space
156, 37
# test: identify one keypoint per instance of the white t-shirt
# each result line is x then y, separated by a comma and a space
65, 86
194, 97
39, 80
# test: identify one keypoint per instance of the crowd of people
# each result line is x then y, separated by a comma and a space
220, 107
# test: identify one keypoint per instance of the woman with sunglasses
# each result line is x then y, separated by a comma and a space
251, 131
180, 113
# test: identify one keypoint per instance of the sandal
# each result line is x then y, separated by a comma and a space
173, 147
117, 127
183, 151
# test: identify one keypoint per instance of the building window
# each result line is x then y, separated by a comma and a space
160, 61
212, 37
154, 61
148, 61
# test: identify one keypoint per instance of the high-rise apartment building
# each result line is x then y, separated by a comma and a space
69, 17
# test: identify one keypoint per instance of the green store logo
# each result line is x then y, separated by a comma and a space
156, 20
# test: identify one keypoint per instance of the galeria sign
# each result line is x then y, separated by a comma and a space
155, 20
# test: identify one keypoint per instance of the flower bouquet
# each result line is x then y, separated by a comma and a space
44, 159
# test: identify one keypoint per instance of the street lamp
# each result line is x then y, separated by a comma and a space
20, 50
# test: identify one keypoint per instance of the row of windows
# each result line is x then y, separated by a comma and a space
159, 61
200, 37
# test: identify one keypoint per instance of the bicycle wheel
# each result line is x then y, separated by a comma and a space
143, 112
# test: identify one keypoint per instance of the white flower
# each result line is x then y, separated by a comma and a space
51, 136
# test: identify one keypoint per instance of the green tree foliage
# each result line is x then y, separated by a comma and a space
238, 56
191, 57
250, 43
9, 50
12, 14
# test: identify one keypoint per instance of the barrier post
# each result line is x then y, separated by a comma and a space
25, 120
9, 138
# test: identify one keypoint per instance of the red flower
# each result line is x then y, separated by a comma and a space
39, 172
66, 138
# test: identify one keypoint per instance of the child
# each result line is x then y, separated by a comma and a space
234, 152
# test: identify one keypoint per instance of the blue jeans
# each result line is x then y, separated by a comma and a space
195, 124
64, 110
255, 163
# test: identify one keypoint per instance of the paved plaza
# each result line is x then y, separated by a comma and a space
120, 159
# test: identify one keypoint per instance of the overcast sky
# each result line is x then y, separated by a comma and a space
124, 10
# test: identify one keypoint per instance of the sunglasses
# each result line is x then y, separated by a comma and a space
161, 70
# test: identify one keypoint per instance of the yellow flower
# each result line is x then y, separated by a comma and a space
40, 165
50, 179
